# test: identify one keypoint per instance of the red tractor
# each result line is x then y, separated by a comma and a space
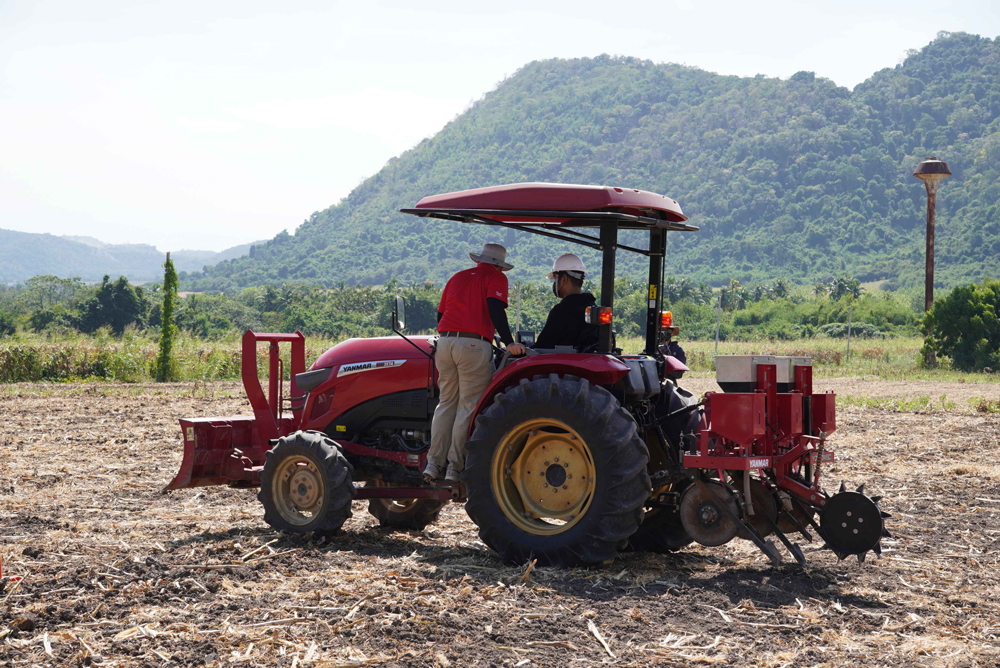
573, 456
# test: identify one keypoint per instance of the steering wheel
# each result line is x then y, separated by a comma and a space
507, 357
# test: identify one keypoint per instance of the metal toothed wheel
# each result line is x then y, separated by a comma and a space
306, 484
556, 471
853, 523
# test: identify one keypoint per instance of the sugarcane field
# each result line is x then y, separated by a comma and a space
101, 567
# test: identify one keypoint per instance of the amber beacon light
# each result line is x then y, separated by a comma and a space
598, 315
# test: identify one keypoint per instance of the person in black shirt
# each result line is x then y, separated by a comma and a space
566, 324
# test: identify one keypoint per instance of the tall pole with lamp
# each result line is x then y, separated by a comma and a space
931, 171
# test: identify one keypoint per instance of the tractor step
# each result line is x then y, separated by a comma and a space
438, 492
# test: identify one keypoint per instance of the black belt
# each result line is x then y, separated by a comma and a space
466, 335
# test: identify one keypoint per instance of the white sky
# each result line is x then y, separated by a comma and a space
202, 125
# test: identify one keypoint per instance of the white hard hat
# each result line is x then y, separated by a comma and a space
569, 263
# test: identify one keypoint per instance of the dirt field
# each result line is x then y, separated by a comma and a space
114, 573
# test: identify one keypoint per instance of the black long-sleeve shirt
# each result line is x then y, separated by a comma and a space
498, 314
567, 325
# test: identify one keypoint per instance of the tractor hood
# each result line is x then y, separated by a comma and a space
382, 349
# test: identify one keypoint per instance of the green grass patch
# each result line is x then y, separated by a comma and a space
984, 405
130, 358
74, 357
920, 403
897, 358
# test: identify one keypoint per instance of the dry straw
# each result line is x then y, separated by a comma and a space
116, 574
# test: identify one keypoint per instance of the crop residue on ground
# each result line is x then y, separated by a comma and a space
113, 572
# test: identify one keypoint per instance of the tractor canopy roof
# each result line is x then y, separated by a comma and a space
559, 211
555, 205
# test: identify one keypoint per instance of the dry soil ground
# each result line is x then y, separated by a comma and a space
114, 573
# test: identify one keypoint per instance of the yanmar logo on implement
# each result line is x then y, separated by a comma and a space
358, 367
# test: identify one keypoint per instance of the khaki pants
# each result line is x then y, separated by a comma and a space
465, 367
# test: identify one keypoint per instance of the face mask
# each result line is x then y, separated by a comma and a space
555, 287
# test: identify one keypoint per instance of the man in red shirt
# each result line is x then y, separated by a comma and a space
473, 305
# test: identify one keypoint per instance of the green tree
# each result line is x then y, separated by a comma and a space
55, 315
846, 285
965, 326
116, 304
7, 325
734, 296
780, 289
42, 292
167, 327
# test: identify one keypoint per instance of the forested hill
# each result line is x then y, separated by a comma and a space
27, 254
799, 179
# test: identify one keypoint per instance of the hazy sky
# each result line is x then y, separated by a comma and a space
202, 125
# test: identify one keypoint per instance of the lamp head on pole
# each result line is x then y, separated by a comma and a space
931, 171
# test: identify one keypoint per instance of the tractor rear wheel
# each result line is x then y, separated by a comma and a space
306, 485
404, 513
556, 471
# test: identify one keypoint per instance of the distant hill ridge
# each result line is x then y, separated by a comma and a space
26, 254
796, 178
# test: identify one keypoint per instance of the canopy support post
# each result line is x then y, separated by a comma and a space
609, 244
657, 251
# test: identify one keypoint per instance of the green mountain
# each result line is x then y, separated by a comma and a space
800, 179
26, 254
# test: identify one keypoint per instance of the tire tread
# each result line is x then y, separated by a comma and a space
339, 474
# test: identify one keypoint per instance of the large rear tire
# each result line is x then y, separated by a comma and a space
306, 485
556, 471
404, 513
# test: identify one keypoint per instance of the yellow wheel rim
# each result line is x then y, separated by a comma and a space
297, 489
543, 476
393, 505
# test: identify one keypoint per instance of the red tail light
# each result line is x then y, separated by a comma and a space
666, 319
598, 315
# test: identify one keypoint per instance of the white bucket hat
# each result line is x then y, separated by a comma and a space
494, 254
568, 263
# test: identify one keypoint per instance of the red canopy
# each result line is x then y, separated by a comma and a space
539, 201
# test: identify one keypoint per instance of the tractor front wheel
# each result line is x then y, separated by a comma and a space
306, 485
556, 471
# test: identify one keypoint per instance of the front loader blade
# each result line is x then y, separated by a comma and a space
183, 478
218, 451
